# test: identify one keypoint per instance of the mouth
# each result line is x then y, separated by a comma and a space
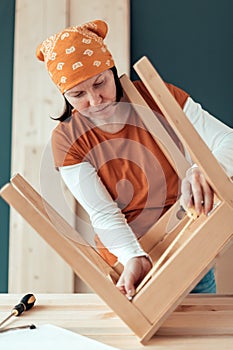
101, 108
101, 111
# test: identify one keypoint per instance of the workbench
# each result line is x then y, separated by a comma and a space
88, 315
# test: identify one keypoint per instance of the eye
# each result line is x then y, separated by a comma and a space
79, 94
75, 95
98, 83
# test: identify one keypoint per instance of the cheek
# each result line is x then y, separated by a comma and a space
114, 92
78, 104
110, 92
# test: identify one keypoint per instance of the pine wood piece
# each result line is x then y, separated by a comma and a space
167, 226
161, 136
31, 129
62, 225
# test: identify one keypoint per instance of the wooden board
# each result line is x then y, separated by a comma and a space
34, 100
88, 315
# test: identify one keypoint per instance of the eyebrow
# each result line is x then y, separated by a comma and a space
98, 77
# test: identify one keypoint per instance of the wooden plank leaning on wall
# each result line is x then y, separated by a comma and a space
116, 14
33, 265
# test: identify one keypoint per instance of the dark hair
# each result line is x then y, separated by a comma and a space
67, 111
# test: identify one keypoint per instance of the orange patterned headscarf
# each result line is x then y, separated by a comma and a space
76, 54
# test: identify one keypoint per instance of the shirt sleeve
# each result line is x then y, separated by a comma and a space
217, 135
106, 217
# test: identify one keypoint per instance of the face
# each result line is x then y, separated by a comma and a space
95, 97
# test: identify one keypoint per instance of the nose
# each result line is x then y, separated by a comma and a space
95, 98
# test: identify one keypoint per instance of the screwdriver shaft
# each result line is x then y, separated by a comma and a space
30, 326
6, 319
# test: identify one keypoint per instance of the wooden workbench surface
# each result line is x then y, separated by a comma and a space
88, 315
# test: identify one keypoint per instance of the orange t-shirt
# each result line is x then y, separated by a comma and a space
129, 162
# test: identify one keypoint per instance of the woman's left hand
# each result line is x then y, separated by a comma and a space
134, 272
196, 192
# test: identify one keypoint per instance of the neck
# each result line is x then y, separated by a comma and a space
116, 121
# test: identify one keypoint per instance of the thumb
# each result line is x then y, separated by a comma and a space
129, 287
121, 285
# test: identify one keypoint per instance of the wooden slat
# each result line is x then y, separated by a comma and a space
168, 224
197, 148
74, 256
64, 228
161, 136
31, 129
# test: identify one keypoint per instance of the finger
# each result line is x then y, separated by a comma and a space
197, 193
209, 203
198, 200
186, 199
204, 197
208, 198
120, 285
121, 289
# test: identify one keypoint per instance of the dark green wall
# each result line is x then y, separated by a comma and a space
7, 13
190, 42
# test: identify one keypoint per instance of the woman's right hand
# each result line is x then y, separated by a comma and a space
196, 192
134, 272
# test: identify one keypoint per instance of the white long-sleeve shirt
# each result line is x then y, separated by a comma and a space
106, 218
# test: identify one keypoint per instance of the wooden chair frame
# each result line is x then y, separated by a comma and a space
184, 255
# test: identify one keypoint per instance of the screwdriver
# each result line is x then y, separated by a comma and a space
26, 303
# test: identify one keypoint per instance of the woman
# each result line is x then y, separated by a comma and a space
109, 161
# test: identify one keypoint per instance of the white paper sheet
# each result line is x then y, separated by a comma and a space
48, 337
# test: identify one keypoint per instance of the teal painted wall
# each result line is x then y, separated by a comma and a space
190, 42
7, 14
